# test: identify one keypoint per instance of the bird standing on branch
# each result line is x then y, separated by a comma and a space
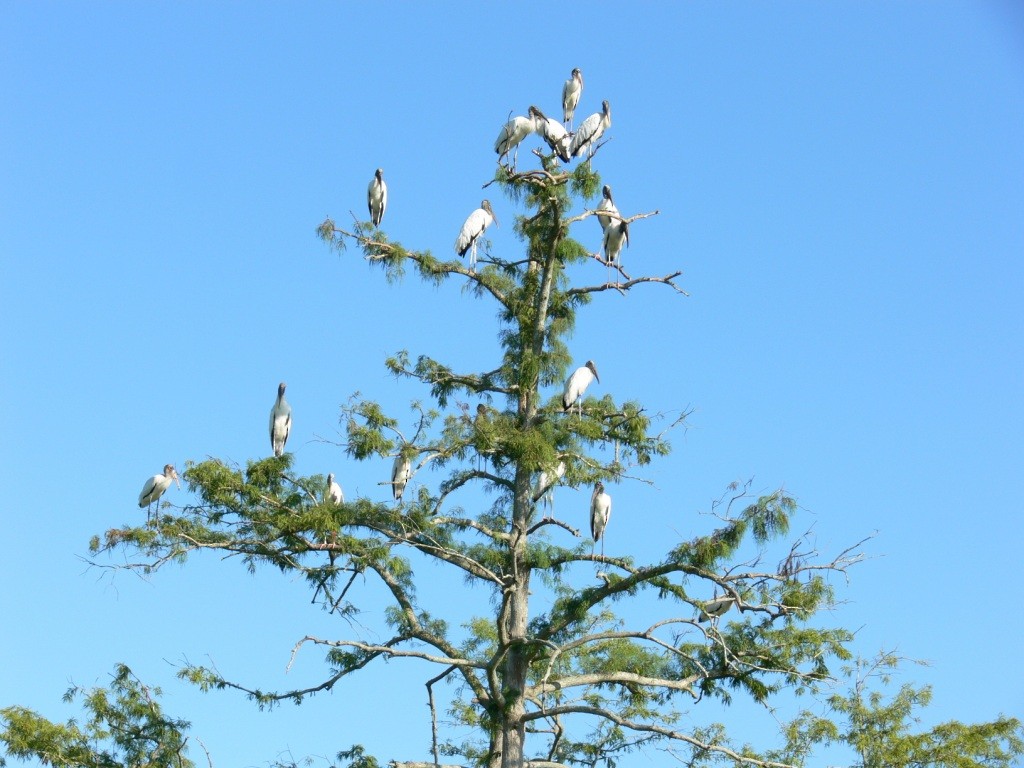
156, 485
577, 384
280, 421
377, 198
571, 92
472, 229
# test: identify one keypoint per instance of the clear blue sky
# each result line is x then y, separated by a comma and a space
842, 185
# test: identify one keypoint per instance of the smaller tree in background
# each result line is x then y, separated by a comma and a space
124, 725
880, 729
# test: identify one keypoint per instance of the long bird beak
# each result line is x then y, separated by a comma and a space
177, 480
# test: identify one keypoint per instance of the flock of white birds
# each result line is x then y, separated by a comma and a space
566, 144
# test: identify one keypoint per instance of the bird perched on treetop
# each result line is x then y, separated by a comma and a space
591, 130
156, 485
571, 92
377, 197
280, 421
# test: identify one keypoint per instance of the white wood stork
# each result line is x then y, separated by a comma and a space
401, 471
600, 513
512, 134
606, 206
280, 421
716, 607
154, 488
334, 492
377, 197
615, 236
577, 384
591, 130
472, 229
571, 91
553, 133
545, 491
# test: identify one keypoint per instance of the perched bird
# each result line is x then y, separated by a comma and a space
577, 384
474, 226
334, 492
719, 606
615, 236
591, 130
401, 471
600, 512
571, 92
280, 421
545, 491
606, 206
553, 133
154, 488
377, 198
512, 134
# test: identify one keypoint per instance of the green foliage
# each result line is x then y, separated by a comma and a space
879, 728
549, 655
124, 727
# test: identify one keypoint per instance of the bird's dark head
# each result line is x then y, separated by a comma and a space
380, 174
486, 205
577, 75
606, 107
607, 193
598, 488
330, 478
171, 472
280, 389
593, 369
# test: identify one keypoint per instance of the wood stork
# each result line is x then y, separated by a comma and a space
577, 384
401, 471
472, 229
154, 488
545, 491
377, 197
719, 606
334, 492
591, 130
280, 421
600, 512
615, 236
606, 206
512, 134
571, 91
553, 133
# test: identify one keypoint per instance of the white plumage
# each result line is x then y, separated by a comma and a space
472, 229
719, 606
280, 421
577, 384
155, 486
553, 133
334, 492
545, 491
591, 130
600, 512
606, 206
571, 91
401, 471
377, 198
512, 134
615, 237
